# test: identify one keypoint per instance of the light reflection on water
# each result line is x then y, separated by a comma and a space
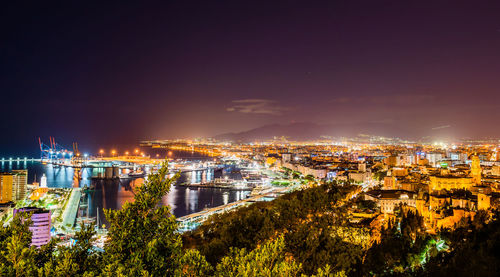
113, 194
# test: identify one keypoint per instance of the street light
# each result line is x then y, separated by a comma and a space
101, 152
113, 152
136, 151
126, 153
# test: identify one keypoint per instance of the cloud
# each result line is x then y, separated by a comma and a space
257, 106
384, 121
396, 99
441, 127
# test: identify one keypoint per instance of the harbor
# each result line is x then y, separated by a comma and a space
201, 185
80, 187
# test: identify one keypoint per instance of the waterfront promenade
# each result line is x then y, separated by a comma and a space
71, 210
192, 221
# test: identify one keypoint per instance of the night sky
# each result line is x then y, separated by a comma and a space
110, 74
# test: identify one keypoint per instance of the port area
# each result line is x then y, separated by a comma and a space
192, 221
219, 185
55, 200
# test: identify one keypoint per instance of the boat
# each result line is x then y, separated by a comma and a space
136, 174
88, 188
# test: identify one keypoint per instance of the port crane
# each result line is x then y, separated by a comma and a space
53, 151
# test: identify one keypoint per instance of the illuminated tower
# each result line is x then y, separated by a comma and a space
43, 181
475, 170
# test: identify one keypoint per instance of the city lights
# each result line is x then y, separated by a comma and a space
250, 138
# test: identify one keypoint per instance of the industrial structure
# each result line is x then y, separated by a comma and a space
53, 151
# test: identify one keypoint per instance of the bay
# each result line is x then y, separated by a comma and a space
113, 194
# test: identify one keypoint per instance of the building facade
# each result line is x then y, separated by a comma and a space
40, 226
475, 170
19, 184
388, 200
6, 182
13, 186
449, 182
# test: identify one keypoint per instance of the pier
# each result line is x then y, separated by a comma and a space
71, 209
18, 159
192, 221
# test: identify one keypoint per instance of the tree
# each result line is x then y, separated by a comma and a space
326, 271
268, 259
316, 245
193, 264
412, 224
473, 250
379, 175
17, 258
142, 235
78, 260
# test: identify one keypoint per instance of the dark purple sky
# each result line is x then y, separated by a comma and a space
115, 73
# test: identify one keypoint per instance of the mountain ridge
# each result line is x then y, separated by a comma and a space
304, 131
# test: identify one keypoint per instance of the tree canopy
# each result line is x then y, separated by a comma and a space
303, 233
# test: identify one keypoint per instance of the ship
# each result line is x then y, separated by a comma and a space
136, 174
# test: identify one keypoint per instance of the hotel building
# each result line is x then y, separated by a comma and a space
40, 226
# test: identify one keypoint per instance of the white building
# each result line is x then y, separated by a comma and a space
387, 200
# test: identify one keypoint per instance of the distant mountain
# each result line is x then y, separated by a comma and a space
304, 131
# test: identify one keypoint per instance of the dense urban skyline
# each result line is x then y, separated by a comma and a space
250, 138
114, 73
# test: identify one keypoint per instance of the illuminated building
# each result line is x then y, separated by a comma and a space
20, 183
399, 172
438, 221
434, 158
38, 193
423, 161
392, 160
410, 159
495, 170
6, 181
13, 185
270, 161
422, 207
286, 157
483, 201
387, 200
475, 170
390, 182
43, 181
449, 182
40, 226
409, 186
318, 173
361, 177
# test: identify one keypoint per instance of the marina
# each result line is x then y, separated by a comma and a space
201, 185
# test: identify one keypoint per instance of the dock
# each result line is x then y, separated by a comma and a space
192, 221
215, 185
